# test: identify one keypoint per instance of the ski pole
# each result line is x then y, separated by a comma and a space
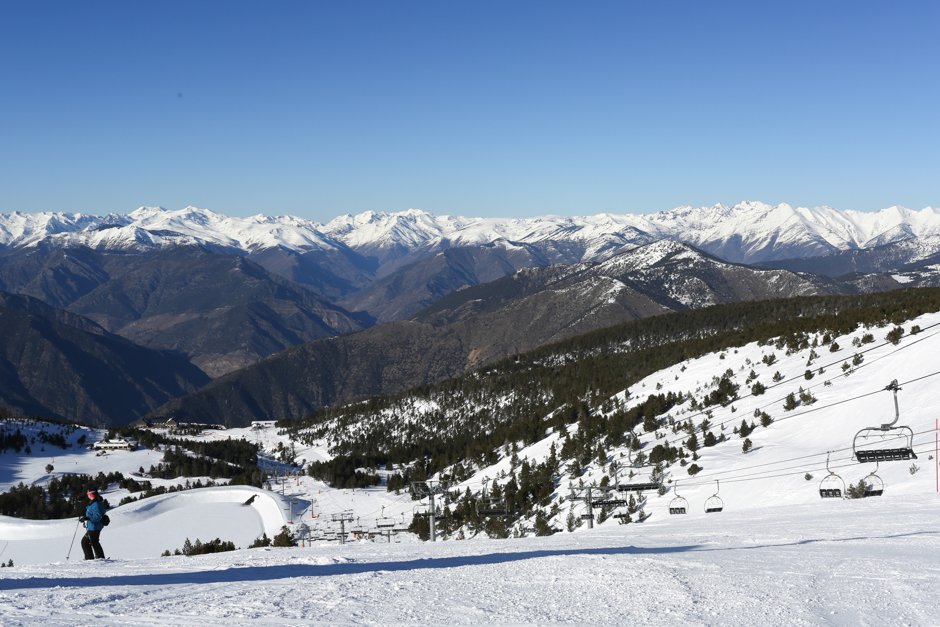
77, 523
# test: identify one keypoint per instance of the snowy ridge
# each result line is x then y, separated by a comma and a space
155, 227
748, 232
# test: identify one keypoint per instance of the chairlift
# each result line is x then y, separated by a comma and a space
491, 506
832, 486
886, 433
874, 486
638, 486
714, 504
678, 505
384, 523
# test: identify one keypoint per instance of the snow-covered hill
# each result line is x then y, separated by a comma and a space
748, 232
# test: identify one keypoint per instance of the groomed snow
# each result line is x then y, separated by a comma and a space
846, 563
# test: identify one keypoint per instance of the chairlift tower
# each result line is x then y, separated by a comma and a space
594, 496
431, 489
385, 526
342, 518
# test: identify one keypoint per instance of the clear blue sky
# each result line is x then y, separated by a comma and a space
477, 108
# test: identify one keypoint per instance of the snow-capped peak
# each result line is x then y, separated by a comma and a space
748, 232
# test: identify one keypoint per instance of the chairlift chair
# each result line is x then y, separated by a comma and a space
678, 505
874, 486
832, 486
714, 504
384, 523
490, 506
902, 436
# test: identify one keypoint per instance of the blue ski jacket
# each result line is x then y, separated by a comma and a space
94, 513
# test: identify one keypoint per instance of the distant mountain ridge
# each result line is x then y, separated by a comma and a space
748, 232
479, 325
56, 364
222, 311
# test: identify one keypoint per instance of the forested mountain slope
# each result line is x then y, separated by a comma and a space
221, 311
397, 356
49, 366
520, 397
479, 325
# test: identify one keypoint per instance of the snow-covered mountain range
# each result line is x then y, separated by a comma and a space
749, 232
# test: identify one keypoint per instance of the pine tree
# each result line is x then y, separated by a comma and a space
856, 491
261, 542
747, 445
571, 522
542, 528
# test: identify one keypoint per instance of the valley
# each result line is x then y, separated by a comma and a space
300, 315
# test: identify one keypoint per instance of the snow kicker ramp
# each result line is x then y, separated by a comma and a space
147, 527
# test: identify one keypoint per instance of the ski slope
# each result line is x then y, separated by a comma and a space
858, 563
777, 554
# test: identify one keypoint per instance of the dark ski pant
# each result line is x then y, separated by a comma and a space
89, 542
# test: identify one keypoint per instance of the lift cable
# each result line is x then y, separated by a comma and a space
791, 459
774, 402
669, 441
810, 456
763, 475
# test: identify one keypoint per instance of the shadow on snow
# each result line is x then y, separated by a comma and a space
267, 573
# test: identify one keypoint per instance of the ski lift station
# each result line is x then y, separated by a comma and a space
118, 444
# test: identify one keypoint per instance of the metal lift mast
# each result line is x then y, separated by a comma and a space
431, 489
594, 496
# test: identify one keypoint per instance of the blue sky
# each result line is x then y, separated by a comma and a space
476, 108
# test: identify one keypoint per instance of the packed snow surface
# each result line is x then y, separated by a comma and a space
850, 563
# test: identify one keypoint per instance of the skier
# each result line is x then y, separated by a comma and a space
94, 523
